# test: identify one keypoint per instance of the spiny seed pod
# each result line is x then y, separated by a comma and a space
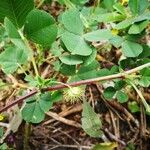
74, 94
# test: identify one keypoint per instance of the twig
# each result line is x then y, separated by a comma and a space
74, 109
64, 120
67, 134
120, 108
73, 84
6, 125
72, 146
113, 137
146, 105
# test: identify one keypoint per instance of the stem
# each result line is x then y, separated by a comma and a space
26, 136
147, 107
32, 56
74, 84
40, 4
34, 66
22, 69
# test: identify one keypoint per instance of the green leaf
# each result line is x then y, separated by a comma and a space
89, 59
146, 52
133, 106
109, 93
32, 82
40, 27
105, 146
124, 24
11, 58
68, 70
15, 10
76, 44
144, 16
121, 96
14, 34
127, 63
88, 71
145, 77
120, 8
138, 28
120, 84
3, 146
145, 81
45, 102
91, 123
109, 4
103, 72
110, 17
138, 6
131, 49
72, 21
56, 50
71, 59
99, 35
2, 34
56, 96
32, 112
116, 41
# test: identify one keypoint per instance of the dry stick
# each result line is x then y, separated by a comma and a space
113, 137
64, 120
82, 82
74, 109
71, 146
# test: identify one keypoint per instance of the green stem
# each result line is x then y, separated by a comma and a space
32, 55
147, 107
26, 136
40, 4
22, 69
